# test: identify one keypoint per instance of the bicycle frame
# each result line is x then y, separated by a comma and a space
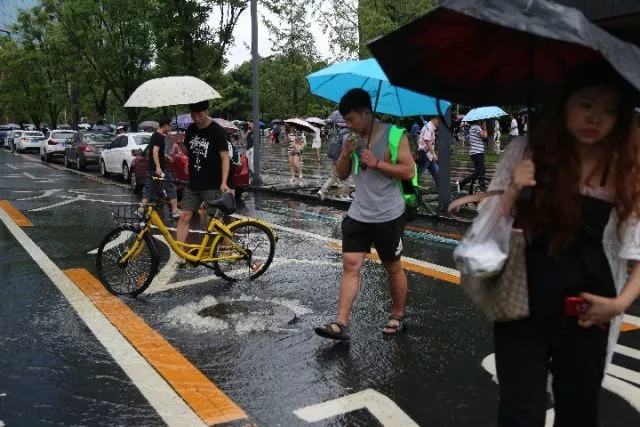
184, 249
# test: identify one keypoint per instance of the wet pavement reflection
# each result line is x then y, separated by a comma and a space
254, 340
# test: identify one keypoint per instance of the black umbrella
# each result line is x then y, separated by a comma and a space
487, 52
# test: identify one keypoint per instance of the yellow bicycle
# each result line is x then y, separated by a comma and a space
128, 257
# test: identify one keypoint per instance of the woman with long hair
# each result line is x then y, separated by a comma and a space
582, 227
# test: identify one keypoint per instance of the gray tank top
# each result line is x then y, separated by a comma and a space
377, 198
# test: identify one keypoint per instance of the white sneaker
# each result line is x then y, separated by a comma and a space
321, 195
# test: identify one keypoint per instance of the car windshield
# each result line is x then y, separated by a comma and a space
62, 135
34, 134
141, 139
98, 138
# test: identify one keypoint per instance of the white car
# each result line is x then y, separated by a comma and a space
55, 144
117, 157
28, 140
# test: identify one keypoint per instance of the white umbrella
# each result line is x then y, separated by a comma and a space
300, 123
483, 113
167, 91
149, 124
225, 124
316, 121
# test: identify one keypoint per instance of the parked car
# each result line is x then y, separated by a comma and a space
4, 135
179, 167
28, 140
117, 157
16, 133
55, 144
85, 149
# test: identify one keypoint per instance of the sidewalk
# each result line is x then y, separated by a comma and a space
276, 175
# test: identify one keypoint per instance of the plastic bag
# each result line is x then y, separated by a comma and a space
484, 249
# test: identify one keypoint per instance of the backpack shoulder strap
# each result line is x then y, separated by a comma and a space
395, 136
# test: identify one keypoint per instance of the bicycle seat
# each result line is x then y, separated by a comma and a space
227, 203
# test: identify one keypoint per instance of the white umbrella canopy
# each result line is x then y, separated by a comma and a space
301, 123
167, 91
316, 121
149, 124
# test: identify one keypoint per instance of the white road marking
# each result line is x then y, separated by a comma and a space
385, 410
612, 382
55, 205
628, 351
169, 405
98, 194
28, 175
42, 196
15, 168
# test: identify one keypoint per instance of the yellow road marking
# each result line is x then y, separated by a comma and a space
206, 400
626, 327
15, 214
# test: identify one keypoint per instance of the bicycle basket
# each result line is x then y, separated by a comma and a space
126, 214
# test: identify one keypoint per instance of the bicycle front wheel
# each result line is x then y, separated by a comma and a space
257, 240
125, 266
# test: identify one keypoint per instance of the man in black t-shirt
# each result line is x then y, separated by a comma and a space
158, 167
209, 164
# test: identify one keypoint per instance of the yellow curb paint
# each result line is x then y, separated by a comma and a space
206, 400
15, 214
626, 327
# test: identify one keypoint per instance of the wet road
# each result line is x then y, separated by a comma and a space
194, 350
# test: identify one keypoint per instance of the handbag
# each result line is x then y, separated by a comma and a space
501, 294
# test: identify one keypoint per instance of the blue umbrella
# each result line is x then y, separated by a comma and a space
333, 82
483, 113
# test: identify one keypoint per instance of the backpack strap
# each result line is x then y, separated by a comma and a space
395, 136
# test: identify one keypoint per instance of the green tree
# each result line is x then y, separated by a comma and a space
379, 17
114, 37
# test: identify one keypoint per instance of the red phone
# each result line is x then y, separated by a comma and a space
575, 306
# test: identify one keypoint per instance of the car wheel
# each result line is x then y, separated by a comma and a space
80, 163
47, 157
42, 156
103, 169
66, 161
125, 172
134, 183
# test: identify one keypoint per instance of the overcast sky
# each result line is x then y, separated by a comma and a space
240, 52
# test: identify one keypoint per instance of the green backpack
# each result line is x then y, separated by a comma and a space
408, 189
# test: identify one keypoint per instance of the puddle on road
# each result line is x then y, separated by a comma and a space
242, 315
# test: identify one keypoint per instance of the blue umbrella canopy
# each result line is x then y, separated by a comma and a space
334, 81
483, 113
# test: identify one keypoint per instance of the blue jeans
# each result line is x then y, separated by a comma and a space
432, 167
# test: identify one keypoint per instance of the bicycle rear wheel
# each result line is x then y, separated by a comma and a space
255, 238
133, 276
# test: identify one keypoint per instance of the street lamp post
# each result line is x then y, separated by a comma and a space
255, 62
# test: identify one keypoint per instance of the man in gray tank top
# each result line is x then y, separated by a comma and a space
376, 216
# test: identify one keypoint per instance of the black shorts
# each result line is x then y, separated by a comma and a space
359, 236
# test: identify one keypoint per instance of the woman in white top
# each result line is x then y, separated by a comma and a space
582, 228
317, 143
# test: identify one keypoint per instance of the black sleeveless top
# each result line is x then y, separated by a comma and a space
580, 267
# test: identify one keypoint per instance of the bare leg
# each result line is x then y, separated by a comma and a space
183, 226
299, 166
292, 167
398, 282
351, 264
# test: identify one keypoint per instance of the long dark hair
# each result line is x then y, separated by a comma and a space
555, 209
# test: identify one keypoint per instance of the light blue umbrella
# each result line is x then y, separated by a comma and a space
483, 113
333, 82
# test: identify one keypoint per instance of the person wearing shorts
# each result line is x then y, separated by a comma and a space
158, 167
377, 215
209, 164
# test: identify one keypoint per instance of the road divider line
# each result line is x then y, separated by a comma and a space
15, 214
207, 400
169, 406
